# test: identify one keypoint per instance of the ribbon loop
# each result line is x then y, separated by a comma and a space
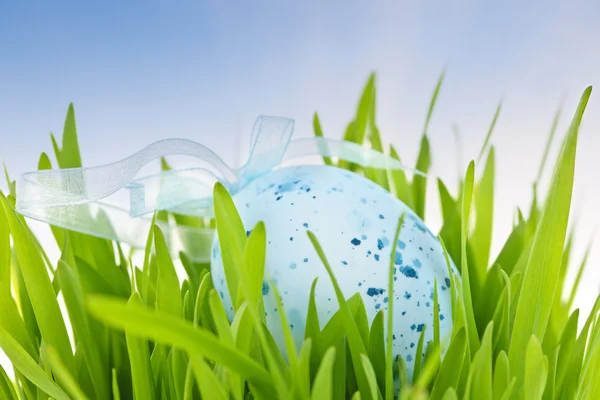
269, 140
79, 199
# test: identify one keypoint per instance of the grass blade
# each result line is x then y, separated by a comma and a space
355, 342
389, 377
63, 375
39, 287
536, 370
26, 365
177, 332
465, 270
139, 356
541, 274
323, 383
319, 133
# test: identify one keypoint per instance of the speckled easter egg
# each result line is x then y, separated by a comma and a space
355, 222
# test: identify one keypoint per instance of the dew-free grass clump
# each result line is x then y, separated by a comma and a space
139, 331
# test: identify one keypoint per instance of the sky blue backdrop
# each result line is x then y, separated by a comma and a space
143, 71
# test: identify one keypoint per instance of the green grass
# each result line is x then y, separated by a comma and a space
139, 332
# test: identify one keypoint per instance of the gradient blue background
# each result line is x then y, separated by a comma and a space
143, 71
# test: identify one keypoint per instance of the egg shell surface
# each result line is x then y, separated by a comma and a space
355, 221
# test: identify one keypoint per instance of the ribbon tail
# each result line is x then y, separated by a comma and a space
344, 150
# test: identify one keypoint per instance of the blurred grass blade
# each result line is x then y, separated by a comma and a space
139, 356
402, 187
323, 384
167, 287
177, 332
371, 377
7, 389
64, 376
502, 376
465, 269
543, 267
209, 385
433, 101
355, 342
319, 133
73, 296
536, 370
484, 212
389, 377
41, 292
479, 384
490, 131
549, 143
26, 365
419, 185
232, 238
452, 365
419, 356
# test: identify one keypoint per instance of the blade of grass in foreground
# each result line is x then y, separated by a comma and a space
355, 342
7, 390
73, 296
139, 356
465, 268
39, 287
178, 332
389, 377
323, 383
319, 133
541, 274
26, 365
63, 375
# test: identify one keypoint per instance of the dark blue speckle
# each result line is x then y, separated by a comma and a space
413, 327
393, 336
407, 295
355, 242
403, 312
420, 227
398, 259
369, 252
381, 216
412, 345
222, 295
385, 299
379, 244
248, 233
376, 257
344, 262
420, 327
408, 358
291, 239
409, 272
375, 291
401, 245
305, 225
447, 282
377, 306
306, 260
265, 288
278, 198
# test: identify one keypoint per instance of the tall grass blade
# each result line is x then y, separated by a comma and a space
541, 274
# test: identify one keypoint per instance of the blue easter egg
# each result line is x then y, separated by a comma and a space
355, 222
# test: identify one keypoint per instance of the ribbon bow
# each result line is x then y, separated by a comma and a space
78, 199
